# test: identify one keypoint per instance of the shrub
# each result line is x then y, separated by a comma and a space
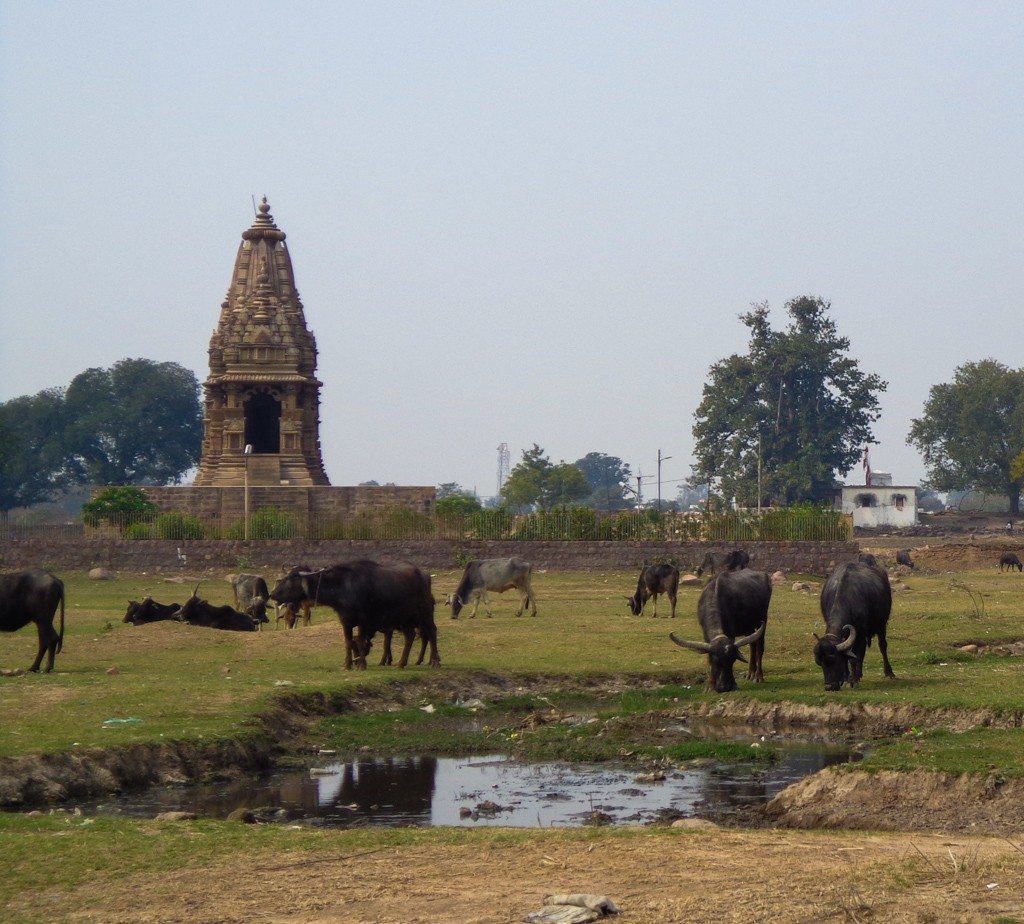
265, 523
138, 531
177, 525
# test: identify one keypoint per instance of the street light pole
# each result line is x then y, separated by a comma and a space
248, 452
661, 459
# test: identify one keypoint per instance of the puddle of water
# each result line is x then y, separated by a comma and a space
428, 790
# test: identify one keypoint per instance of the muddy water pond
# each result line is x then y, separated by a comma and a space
487, 790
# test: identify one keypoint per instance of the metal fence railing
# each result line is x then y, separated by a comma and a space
571, 524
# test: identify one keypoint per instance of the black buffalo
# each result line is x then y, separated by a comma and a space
733, 560
866, 558
653, 581
1009, 561
150, 611
33, 596
855, 602
369, 598
198, 612
733, 612
903, 558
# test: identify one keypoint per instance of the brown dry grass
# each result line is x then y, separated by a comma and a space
655, 876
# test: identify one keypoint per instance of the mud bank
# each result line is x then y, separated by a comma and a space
876, 720
279, 730
891, 801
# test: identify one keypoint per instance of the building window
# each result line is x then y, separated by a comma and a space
899, 500
865, 500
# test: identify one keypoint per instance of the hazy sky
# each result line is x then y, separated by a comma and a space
522, 222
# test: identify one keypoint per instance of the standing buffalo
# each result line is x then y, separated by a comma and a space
903, 558
33, 596
653, 581
499, 575
855, 602
149, 610
1010, 561
724, 561
733, 612
372, 598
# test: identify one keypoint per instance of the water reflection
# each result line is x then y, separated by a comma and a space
427, 790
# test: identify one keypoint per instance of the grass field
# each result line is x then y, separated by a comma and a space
186, 683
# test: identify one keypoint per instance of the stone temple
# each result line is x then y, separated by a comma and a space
262, 393
262, 390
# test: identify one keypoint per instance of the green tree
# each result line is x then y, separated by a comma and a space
536, 482
137, 422
607, 477
798, 394
971, 430
32, 457
460, 503
120, 506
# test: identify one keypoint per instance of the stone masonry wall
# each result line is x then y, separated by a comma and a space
270, 556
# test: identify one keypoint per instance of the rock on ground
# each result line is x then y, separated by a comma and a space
101, 574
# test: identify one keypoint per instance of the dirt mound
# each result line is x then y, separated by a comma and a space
890, 801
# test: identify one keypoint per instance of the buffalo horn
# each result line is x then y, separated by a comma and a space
848, 643
750, 639
693, 646
195, 593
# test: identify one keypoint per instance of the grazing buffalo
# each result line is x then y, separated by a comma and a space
150, 611
33, 596
369, 598
289, 612
1010, 561
903, 558
499, 575
733, 612
198, 612
724, 561
653, 581
855, 603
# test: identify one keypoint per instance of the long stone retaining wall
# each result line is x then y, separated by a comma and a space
165, 556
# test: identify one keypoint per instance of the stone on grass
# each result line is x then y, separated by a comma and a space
778, 578
245, 815
101, 574
176, 816
695, 824
690, 580
801, 586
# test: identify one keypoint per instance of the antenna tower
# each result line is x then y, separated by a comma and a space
504, 465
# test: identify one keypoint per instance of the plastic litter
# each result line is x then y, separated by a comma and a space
131, 720
579, 908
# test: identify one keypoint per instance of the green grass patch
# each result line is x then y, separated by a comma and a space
985, 751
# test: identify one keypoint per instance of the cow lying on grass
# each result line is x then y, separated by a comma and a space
198, 612
149, 610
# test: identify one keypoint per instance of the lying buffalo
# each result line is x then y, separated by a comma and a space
733, 612
855, 603
33, 596
653, 581
150, 611
198, 612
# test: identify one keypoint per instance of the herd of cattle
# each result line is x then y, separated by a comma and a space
371, 598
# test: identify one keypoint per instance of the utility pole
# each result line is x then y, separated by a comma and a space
504, 465
661, 459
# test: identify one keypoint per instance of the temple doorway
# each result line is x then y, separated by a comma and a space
263, 422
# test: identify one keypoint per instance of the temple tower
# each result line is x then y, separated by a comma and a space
262, 390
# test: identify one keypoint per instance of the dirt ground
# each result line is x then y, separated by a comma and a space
721, 875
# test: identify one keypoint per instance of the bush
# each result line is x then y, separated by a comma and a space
121, 506
265, 523
139, 531
177, 525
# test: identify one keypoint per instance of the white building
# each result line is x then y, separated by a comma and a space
881, 503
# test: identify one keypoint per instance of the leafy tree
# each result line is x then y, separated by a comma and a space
607, 476
460, 503
536, 482
448, 488
972, 429
32, 458
797, 391
137, 422
120, 505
